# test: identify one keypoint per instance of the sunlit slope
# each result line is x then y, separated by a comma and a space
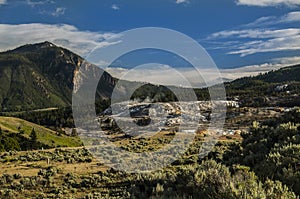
44, 135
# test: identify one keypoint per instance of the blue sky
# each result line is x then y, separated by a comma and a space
241, 35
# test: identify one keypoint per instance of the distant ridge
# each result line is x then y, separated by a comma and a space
275, 88
41, 75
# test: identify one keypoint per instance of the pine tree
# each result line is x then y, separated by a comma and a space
73, 132
33, 136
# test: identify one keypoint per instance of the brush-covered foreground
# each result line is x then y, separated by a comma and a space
263, 164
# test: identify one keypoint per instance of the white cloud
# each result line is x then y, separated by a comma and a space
253, 38
166, 75
181, 1
80, 42
261, 40
2, 2
264, 3
290, 17
251, 70
58, 12
272, 45
115, 7
38, 3
254, 70
55, 13
187, 77
287, 60
257, 33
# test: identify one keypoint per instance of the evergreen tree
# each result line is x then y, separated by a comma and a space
33, 137
74, 132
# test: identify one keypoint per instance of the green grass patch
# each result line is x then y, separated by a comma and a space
44, 135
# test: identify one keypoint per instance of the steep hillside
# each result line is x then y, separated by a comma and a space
40, 76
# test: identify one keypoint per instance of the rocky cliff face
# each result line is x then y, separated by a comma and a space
42, 75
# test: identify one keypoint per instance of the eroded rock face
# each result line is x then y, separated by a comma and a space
42, 75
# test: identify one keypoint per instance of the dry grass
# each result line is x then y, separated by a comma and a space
32, 168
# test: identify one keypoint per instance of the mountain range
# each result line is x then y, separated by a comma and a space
42, 75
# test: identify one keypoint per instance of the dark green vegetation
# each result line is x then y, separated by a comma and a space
17, 134
271, 150
54, 119
36, 76
275, 88
265, 164
39, 76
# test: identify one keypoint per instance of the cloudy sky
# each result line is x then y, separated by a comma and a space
244, 37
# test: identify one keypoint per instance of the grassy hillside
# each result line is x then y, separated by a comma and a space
45, 136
